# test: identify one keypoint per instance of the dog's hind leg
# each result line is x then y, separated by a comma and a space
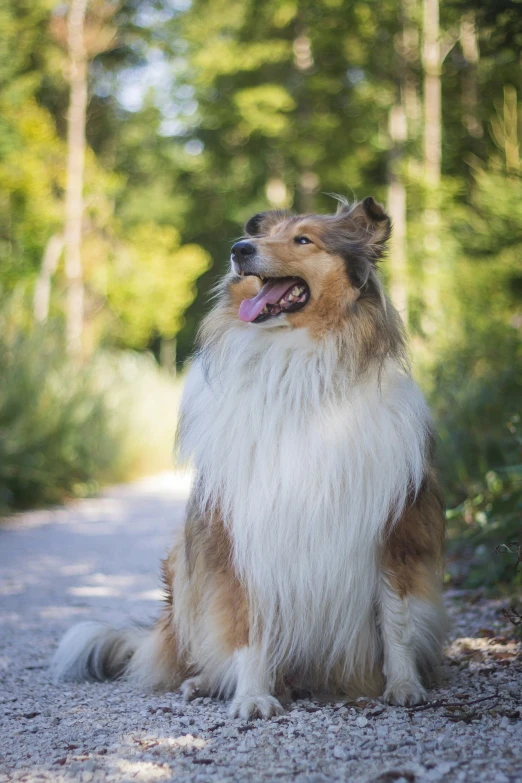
403, 681
412, 617
211, 607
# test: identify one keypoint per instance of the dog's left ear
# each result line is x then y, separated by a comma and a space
369, 222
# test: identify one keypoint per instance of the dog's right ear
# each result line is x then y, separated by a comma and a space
369, 223
264, 221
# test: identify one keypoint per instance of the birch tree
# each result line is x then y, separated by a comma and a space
42, 290
402, 119
435, 49
75, 172
470, 98
431, 62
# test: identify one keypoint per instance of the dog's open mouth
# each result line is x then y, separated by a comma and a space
278, 295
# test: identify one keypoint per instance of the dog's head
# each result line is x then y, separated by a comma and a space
308, 270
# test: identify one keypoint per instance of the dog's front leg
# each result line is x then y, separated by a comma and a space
398, 631
255, 686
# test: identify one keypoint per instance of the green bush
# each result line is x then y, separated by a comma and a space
475, 390
65, 429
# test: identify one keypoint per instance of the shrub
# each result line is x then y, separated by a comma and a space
66, 429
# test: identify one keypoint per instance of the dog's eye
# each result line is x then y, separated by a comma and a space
300, 240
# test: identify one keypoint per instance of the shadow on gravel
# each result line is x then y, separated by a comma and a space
92, 557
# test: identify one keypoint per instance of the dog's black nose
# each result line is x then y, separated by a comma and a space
243, 249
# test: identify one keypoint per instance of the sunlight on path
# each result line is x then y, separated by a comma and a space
72, 562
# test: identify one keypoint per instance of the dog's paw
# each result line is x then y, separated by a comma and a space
405, 693
259, 706
192, 688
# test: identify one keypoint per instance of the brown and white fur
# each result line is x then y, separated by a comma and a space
312, 548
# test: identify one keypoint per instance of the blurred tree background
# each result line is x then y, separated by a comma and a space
115, 223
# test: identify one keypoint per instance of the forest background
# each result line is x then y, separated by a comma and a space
137, 136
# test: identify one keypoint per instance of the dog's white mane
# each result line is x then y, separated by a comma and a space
307, 461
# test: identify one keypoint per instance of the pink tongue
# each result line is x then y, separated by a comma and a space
271, 293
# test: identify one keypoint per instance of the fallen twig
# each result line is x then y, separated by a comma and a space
514, 548
450, 705
513, 615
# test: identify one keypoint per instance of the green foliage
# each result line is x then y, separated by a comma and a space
202, 114
31, 173
473, 377
55, 440
150, 283
67, 429
483, 526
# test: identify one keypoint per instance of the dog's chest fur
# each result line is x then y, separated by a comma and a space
306, 466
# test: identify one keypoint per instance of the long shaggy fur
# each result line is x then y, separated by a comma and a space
95, 651
312, 547
303, 525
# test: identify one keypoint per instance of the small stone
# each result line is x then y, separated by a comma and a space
249, 743
340, 753
362, 722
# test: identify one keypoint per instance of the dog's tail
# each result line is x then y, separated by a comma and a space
96, 651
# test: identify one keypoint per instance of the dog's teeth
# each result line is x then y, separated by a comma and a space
296, 291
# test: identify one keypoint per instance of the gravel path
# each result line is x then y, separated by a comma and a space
99, 559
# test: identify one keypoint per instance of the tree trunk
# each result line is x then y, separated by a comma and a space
42, 291
504, 129
397, 211
408, 45
168, 354
403, 121
307, 181
75, 172
470, 50
431, 61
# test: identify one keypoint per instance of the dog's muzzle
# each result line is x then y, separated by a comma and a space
242, 255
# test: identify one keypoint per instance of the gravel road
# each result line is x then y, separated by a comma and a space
99, 559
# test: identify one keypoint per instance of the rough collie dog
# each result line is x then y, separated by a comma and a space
311, 554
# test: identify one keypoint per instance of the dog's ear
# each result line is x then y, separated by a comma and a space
370, 224
264, 221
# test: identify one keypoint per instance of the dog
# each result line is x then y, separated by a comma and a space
312, 549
